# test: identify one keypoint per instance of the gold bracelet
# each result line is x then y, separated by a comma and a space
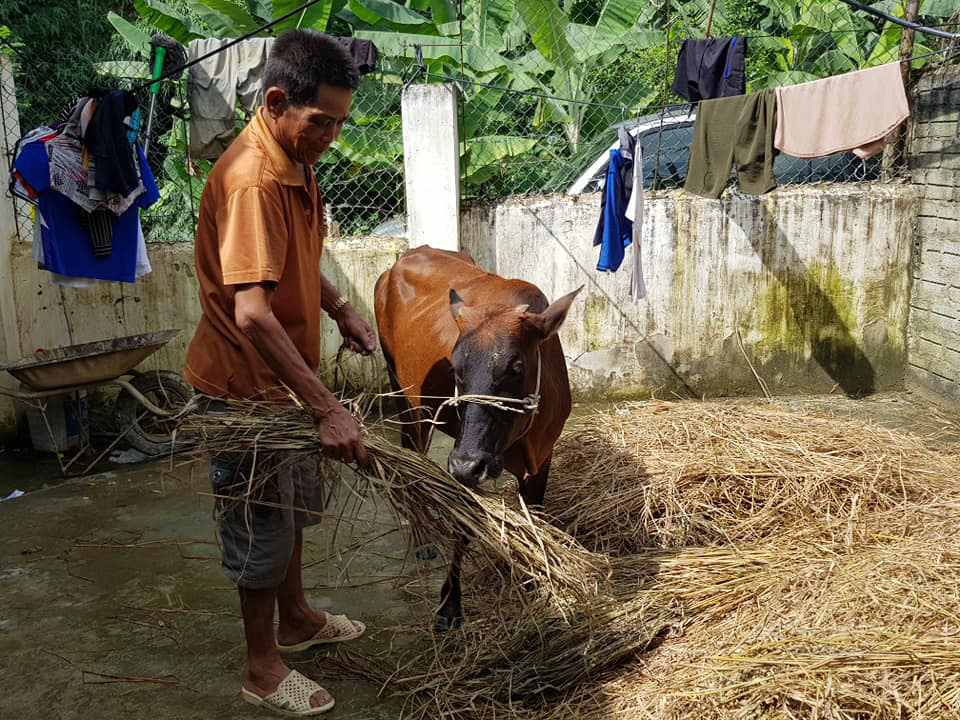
338, 305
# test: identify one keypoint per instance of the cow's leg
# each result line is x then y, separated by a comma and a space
450, 614
533, 487
413, 436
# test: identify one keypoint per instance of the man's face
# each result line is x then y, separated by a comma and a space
306, 132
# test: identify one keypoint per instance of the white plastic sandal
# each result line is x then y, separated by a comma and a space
338, 628
291, 698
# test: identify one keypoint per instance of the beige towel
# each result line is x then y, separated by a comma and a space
853, 111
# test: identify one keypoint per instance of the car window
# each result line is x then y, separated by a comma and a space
670, 167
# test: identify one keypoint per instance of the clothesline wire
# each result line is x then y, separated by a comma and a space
621, 108
175, 72
900, 21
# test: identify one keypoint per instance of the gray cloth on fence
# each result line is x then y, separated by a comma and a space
215, 87
634, 213
234, 76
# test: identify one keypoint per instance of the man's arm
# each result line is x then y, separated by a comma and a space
328, 295
339, 433
357, 335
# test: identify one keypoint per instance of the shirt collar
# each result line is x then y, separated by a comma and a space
288, 171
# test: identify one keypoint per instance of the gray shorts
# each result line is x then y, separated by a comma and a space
257, 528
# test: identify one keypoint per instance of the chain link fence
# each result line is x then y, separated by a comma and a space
577, 71
544, 86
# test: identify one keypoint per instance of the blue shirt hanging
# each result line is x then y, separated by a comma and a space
614, 231
67, 247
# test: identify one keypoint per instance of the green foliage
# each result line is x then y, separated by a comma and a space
58, 45
576, 57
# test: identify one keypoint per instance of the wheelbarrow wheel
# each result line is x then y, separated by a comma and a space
149, 433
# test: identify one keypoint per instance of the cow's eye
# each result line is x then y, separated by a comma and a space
517, 368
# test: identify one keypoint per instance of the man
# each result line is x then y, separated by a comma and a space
258, 245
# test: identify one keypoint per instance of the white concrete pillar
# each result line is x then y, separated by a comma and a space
431, 165
10, 349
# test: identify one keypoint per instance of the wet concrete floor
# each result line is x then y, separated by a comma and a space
112, 604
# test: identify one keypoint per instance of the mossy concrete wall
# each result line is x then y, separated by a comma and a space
810, 285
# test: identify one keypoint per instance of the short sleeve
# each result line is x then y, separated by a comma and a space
33, 165
252, 232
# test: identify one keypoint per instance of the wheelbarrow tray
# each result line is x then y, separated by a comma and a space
88, 363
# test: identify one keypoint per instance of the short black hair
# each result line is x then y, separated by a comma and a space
302, 60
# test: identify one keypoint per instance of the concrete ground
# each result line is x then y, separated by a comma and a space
112, 604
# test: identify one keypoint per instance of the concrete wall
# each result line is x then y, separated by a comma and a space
50, 315
9, 338
934, 336
814, 279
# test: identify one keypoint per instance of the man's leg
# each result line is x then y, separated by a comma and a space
298, 622
265, 670
255, 541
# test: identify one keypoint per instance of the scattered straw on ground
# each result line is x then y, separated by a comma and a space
763, 564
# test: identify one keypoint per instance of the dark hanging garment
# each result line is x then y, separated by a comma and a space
711, 68
364, 53
106, 139
614, 230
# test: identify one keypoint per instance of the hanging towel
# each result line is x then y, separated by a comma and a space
711, 68
849, 112
733, 130
235, 75
634, 213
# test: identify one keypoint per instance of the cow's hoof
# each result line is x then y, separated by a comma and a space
446, 624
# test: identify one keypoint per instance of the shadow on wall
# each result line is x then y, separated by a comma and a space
817, 319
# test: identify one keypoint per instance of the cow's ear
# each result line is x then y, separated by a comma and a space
548, 323
456, 305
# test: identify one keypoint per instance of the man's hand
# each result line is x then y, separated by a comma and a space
340, 434
357, 335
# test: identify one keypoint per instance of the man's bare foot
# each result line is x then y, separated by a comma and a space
298, 624
263, 679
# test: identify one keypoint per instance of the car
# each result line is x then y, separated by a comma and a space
665, 139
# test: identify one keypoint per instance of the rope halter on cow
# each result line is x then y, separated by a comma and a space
529, 404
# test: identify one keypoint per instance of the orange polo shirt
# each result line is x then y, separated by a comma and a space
261, 220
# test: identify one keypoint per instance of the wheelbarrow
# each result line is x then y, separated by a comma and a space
147, 401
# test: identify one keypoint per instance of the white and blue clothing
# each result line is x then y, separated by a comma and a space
67, 248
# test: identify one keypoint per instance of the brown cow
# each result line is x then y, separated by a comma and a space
447, 327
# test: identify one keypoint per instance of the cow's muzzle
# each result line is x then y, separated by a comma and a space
470, 469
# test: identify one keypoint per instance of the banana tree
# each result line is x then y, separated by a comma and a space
565, 55
817, 38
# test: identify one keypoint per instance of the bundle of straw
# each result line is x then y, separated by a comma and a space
533, 553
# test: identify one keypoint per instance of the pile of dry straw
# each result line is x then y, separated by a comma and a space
703, 561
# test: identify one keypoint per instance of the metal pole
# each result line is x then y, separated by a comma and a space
713, 5
893, 144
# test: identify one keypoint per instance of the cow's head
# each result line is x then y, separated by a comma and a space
497, 354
